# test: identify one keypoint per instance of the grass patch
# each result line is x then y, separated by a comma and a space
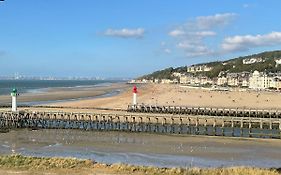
194, 171
81, 167
19, 161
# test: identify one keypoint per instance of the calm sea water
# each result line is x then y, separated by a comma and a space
24, 86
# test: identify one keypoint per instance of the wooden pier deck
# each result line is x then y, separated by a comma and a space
146, 122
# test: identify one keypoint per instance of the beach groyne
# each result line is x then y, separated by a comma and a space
139, 122
208, 111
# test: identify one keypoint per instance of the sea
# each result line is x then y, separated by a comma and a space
33, 86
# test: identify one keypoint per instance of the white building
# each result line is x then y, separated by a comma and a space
185, 79
245, 82
252, 60
177, 74
278, 62
166, 81
232, 79
198, 68
259, 81
222, 81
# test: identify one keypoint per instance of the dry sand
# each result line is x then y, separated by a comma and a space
164, 94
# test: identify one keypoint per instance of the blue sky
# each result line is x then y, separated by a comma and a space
126, 38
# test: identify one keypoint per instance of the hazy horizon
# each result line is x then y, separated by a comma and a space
130, 38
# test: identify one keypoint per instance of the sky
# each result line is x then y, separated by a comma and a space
125, 38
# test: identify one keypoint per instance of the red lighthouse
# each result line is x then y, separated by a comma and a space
135, 91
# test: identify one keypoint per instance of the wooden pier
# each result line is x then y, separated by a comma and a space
208, 111
140, 122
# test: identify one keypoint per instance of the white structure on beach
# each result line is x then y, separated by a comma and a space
135, 91
14, 95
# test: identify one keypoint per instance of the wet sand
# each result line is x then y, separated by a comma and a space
66, 94
143, 148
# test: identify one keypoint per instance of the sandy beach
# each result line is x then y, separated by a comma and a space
165, 94
206, 149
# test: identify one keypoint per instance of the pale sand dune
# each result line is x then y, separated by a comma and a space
163, 94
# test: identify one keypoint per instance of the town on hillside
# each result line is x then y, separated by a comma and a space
255, 74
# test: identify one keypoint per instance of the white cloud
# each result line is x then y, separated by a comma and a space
176, 32
125, 33
195, 50
246, 42
211, 22
191, 35
168, 51
205, 33
180, 33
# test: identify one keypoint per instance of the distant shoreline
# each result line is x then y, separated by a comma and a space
106, 94
66, 94
41, 86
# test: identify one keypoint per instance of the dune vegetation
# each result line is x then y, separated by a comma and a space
35, 165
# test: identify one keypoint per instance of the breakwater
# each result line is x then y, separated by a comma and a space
139, 122
208, 111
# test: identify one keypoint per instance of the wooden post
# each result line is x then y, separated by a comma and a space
232, 127
149, 124
222, 127
250, 128
241, 127
196, 126
205, 127
133, 128
127, 124
214, 127
165, 125
141, 125
180, 127
261, 128
104, 124
270, 127
119, 122
188, 126
280, 128
172, 126
156, 129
